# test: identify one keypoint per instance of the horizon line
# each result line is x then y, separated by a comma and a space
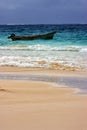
47, 24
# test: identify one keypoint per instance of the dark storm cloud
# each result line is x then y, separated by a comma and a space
43, 11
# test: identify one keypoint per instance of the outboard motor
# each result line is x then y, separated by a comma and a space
12, 35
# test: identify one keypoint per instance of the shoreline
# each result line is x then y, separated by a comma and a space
13, 69
72, 79
38, 105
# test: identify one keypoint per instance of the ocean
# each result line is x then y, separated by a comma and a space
68, 48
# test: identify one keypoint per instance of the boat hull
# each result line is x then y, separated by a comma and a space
46, 36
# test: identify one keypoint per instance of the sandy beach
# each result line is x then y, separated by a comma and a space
33, 105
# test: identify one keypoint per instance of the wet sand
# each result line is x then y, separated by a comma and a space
27, 70
33, 105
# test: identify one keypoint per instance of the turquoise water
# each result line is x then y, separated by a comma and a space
68, 47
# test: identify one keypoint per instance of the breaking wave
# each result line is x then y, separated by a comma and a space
39, 47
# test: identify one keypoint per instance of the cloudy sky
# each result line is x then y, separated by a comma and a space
43, 11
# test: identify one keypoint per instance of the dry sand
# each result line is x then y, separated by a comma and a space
27, 105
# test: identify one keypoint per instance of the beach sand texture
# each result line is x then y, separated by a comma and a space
43, 83
29, 105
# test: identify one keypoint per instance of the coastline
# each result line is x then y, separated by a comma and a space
30, 70
37, 105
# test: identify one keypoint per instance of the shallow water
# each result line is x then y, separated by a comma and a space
68, 47
72, 81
